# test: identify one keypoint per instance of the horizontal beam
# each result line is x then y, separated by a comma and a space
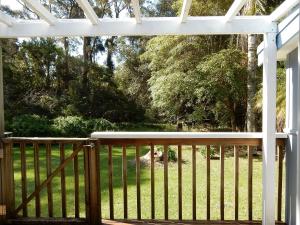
6, 19
137, 135
41, 11
150, 26
136, 10
88, 11
234, 9
185, 10
283, 9
287, 37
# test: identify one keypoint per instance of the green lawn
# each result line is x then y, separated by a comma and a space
145, 185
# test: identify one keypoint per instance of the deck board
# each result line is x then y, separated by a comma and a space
176, 222
40, 221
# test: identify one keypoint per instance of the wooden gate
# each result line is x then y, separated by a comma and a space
19, 213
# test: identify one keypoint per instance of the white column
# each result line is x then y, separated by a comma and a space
292, 128
298, 158
269, 127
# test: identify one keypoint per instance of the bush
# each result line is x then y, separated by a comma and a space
30, 126
74, 126
101, 125
172, 155
79, 127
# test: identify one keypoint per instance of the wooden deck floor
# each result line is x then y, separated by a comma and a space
172, 222
50, 221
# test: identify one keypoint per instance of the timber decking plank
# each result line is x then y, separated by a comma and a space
30, 221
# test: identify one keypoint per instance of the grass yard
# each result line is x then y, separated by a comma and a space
145, 185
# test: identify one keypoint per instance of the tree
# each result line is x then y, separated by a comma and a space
252, 7
222, 84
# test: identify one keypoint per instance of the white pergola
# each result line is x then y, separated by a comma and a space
50, 26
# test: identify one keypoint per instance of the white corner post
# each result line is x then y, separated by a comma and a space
298, 155
269, 127
292, 143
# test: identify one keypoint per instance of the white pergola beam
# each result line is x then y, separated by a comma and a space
41, 11
185, 10
236, 6
88, 11
150, 26
283, 9
6, 19
269, 128
136, 10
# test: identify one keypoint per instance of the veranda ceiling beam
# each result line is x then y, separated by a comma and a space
234, 9
6, 19
185, 10
136, 10
283, 9
150, 26
41, 11
88, 11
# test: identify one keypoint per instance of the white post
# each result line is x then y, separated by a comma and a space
292, 128
269, 127
298, 158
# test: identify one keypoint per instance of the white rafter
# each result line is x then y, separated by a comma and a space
6, 19
234, 9
41, 11
150, 26
283, 9
136, 10
88, 11
185, 10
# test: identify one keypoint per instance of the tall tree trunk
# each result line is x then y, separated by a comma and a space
66, 77
251, 85
86, 60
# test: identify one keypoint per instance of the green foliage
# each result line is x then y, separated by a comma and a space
30, 126
172, 155
71, 126
213, 151
79, 127
223, 81
100, 125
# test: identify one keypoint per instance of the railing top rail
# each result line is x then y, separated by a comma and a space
181, 135
44, 139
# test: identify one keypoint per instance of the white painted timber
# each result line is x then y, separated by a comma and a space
88, 11
269, 128
185, 10
136, 10
292, 142
6, 19
174, 135
234, 9
150, 26
298, 149
283, 9
287, 37
40, 10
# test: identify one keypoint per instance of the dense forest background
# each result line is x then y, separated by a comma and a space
72, 86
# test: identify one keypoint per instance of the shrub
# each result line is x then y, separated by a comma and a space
30, 126
101, 125
77, 126
172, 155
74, 126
